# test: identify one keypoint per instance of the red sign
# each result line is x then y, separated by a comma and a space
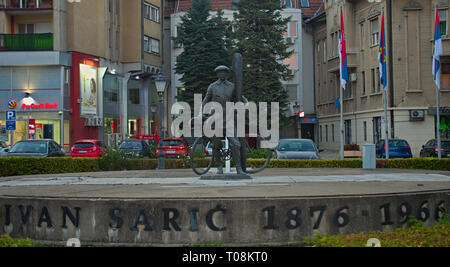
31, 128
40, 106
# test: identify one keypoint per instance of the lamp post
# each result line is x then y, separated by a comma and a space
161, 83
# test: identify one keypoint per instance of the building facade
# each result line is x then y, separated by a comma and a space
411, 92
90, 63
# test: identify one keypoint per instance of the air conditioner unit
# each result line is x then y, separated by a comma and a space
353, 77
290, 40
291, 72
417, 115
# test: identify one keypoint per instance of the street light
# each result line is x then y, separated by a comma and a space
161, 83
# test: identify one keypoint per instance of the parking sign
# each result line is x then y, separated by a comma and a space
10, 120
11, 115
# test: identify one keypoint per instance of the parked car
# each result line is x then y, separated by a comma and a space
4, 149
209, 150
88, 149
135, 148
174, 148
430, 149
36, 148
296, 149
398, 148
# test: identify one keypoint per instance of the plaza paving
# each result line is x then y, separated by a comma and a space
271, 183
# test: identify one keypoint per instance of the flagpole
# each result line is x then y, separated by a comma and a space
384, 74
438, 109
342, 123
342, 86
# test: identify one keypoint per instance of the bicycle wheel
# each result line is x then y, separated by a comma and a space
260, 157
201, 158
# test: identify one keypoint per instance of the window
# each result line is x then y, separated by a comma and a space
324, 51
374, 32
378, 80
363, 82
443, 14
151, 12
151, 45
332, 133
326, 133
445, 76
365, 131
373, 80
305, 3
361, 41
234, 5
134, 97
348, 132
26, 28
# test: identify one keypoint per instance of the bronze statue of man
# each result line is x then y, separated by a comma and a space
223, 91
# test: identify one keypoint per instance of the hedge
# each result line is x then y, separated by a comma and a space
34, 166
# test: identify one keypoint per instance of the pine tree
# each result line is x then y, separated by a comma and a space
259, 29
202, 38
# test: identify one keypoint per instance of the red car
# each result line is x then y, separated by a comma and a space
87, 149
174, 148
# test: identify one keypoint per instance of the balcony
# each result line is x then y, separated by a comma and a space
16, 6
26, 42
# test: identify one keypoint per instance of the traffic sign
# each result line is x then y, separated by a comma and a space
11, 115
11, 120
10, 125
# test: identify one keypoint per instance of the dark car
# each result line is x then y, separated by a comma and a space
135, 148
398, 148
36, 149
430, 149
296, 149
4, 149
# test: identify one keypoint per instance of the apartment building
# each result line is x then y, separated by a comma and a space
411, 90
300, 89
90, 63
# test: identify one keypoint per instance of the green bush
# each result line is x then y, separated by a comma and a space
7, 242
114, 161
416, 235
34, 166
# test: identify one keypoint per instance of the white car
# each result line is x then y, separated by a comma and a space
208, 149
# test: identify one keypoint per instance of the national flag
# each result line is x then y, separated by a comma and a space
343, 54
382, 56
437, 51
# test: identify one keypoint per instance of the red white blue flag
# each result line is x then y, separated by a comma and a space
343, 54
382, 56
437, 51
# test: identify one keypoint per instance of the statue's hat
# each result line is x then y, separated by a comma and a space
222, 68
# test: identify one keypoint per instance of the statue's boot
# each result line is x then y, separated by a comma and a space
219, 164
237, 160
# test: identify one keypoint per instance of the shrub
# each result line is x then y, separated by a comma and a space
7, 241
416, 235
